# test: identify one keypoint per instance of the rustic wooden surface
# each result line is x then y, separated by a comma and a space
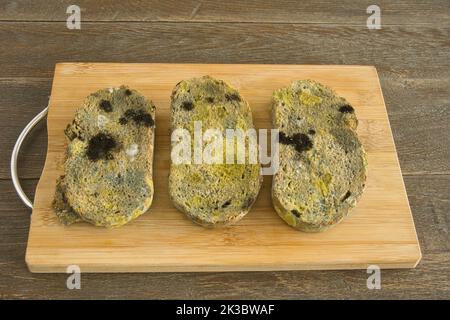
411, 53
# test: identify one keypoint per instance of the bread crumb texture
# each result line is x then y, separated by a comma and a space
107, 178
323, 166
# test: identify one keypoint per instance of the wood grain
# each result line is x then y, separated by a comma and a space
430, 199
419, 112
405, 12
49, 43
21, 101
380, 231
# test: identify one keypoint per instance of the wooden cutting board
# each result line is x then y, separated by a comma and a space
380, 230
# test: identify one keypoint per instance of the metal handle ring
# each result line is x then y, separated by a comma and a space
15, 154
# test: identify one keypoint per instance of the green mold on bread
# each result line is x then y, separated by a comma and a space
323, 166
212, 194
107, 178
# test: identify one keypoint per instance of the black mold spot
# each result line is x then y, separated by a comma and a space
140, 117
210, 99
312, 131
130, 113
346, 109
187, 105
302, 142
346, 196
123, 120
100, 146
128, 92
295, 213
144, 118
226, 203
284, 139
299, 141
105, 105
232, 97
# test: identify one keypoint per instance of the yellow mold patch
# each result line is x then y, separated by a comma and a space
290, 219
77, 147
309, 99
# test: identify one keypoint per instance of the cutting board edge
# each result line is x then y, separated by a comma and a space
52, 268
158, 269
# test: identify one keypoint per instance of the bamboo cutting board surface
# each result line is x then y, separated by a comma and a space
380, 230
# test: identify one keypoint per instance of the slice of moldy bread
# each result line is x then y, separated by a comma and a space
212, 194
107, 178
323, 166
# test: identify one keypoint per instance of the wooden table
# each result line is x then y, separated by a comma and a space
411, 53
